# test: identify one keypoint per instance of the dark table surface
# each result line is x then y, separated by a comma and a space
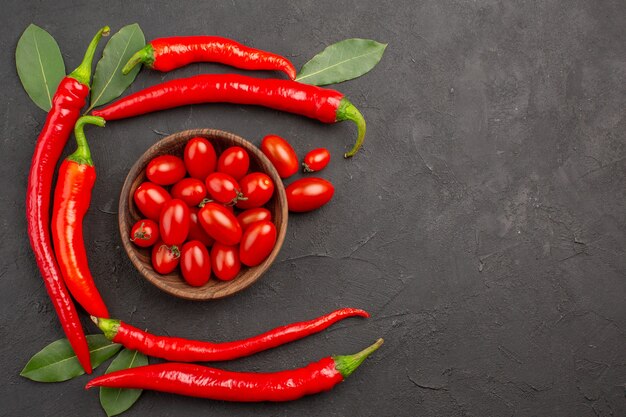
482, 224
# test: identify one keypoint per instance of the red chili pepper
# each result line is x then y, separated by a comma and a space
328, 106
72, 196
166, 54
67, 102
200, 381
184, 350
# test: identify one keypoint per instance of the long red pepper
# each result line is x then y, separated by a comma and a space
184, 350
325, 105
67, 102
166, 54
72, 196
200, 381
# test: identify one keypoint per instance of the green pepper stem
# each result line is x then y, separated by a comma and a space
348, 363
82, 155
347, 111
108, 326
82, 74
145, 55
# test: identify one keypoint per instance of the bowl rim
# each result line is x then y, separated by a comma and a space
225, 287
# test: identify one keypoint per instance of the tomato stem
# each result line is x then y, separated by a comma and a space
141, 234
204, 202
174, 249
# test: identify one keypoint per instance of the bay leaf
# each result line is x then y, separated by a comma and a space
39, 65
108, 81
342, 61
115, 401
57, 362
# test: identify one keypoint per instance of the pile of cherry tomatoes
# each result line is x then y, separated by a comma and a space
305, 194
193, 225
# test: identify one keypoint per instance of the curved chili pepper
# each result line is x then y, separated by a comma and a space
328, 106
166, 54
67, 102
72, 196
183, 350
200, 381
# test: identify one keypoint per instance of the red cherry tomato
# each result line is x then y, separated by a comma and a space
281, 155
316, 160
164, 259
165, 170
174, 222
196, 232
248, 217
200, 158
308, 194
220, 223
223, 188
225, 261
257, 243
144, 233
195, 263
257, 188
150, 199
191, 190
234, 161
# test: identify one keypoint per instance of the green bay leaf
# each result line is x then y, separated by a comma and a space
108, 80
115, 401
342, 61
39, 65
57, 362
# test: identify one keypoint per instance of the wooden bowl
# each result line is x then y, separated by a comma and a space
128, 215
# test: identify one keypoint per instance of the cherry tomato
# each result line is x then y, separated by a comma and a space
223, 188
164, 259
220, 223
257, 243
195, 263
234, 161
200, 158
308, 194
165, 170
144, 233
174, 222
316, 160
150, 199
226, 206
191, 190
257, 188
281, 155
248, 217
196, 232
225, 261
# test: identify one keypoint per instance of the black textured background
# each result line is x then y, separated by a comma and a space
482, 225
